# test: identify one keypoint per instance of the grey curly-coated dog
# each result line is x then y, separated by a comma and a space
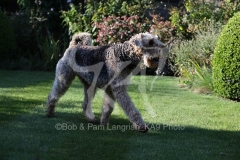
108, 68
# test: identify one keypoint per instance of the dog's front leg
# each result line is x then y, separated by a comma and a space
125, 102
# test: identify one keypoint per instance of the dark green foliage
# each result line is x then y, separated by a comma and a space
193, 15
193, 58
7, 40
114, 29
86, 17
226, 61
37, 23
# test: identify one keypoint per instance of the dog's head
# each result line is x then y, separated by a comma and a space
150, 48
82, 39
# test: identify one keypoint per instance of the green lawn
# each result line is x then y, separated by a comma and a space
183, 125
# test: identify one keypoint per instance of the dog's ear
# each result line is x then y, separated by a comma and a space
150, 42
148, 39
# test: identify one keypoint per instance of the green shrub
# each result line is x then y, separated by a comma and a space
86, 17
36, 21
193, 58
193, 14
162, 28
52, 53
226, 61
114, 29
7, 40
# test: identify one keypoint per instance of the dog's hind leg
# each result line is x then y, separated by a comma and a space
108, 106
89, 93
63, 79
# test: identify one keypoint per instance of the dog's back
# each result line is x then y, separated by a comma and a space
90, 55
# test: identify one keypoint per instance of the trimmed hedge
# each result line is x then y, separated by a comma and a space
7, 39
226, 61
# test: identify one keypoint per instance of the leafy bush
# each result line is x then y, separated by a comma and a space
11, 40
226, 61
7, 39
81, 17
114, 29
73, 19
24, 34
193, 58
38, 20
44, 16
193, 15
51, 53
164, 29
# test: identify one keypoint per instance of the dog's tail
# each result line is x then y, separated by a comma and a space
83, 39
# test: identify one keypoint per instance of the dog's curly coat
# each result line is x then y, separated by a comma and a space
108, 68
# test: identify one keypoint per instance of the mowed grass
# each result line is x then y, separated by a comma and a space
183, 125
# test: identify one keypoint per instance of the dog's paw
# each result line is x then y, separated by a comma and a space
104, 123
50, 115
141, 128
50, 111
93, 121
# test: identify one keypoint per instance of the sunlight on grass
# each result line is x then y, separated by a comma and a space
183, 125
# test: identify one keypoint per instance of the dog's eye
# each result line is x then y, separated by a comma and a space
150, 43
